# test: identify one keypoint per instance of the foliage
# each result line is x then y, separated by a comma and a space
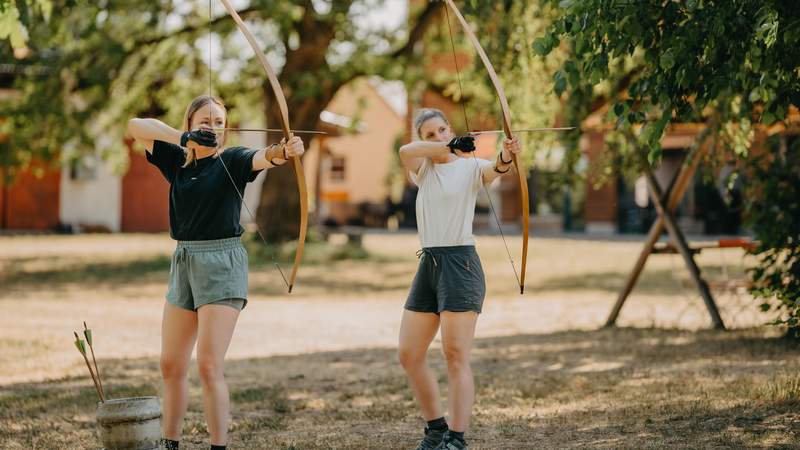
15, 17
94, 65
506, 30
151, 58
661, 62
651, 63
774, 215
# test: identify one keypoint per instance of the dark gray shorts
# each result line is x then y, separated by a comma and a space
448, 279
205, 272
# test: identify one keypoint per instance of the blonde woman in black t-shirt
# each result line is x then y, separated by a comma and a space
208, 274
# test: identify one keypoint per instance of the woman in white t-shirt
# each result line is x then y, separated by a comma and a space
449, 286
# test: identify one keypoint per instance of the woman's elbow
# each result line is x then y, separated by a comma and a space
404, 149
133, 125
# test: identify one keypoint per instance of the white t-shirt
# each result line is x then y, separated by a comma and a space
446, 201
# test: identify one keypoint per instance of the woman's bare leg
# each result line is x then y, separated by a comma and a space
417, 331
178, 334
215, 329
458, 331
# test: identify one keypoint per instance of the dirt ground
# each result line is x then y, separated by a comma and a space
317, 369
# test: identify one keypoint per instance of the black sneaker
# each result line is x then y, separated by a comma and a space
451, 443
432, 439
166, 444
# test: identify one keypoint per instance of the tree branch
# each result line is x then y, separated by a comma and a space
202, 26
621, 85
425, 19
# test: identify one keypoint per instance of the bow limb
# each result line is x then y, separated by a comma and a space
287, 132
523, 181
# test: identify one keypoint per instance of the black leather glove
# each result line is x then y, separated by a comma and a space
463, 143
206, 138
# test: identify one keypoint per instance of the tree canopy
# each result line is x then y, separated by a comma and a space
733, 64
83, 71
657, 62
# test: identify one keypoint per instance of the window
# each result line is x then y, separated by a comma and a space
83, 169
337, 168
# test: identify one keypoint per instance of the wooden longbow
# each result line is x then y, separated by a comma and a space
521, 174
287, 132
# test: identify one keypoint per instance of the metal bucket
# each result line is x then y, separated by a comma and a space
130, 423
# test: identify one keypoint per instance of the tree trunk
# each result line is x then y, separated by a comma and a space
278, 213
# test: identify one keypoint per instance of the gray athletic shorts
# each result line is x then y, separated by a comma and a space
204, 272
448, 279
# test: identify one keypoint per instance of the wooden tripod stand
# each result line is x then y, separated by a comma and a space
666, 203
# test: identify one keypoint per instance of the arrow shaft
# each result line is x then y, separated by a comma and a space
97, 371
270, 130
88, 334
526, 130
82, 351
96, 386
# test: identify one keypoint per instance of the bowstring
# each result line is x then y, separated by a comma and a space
230, 177
475, 158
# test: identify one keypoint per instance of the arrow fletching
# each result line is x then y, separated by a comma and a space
88, 333
80, 344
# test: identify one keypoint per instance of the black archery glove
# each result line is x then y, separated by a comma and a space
463, 143
205, 138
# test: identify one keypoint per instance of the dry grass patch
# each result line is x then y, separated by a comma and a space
624, 388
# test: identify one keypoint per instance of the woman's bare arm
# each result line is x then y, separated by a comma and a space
146, 131
412, 155
265, 157
509, 147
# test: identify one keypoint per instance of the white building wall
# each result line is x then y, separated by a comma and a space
92, 198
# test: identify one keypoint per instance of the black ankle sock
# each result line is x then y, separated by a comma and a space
218, 447
169, 444
458, 435
437, 424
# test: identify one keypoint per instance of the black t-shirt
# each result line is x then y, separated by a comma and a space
203, 204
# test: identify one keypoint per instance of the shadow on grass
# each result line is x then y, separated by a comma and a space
616, 388
155, 268
336, 279
54, 272
660, 282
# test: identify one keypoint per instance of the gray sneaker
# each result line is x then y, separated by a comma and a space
431, 440
451, 443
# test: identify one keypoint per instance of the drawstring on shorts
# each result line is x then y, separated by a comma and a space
426, 252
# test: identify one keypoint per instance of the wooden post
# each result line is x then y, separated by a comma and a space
680, 243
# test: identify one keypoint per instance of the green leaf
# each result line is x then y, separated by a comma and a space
655, 130
11, 27
573, 74
654, 155
791, 36
560, 85
541, 46
667, 60
619, 109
